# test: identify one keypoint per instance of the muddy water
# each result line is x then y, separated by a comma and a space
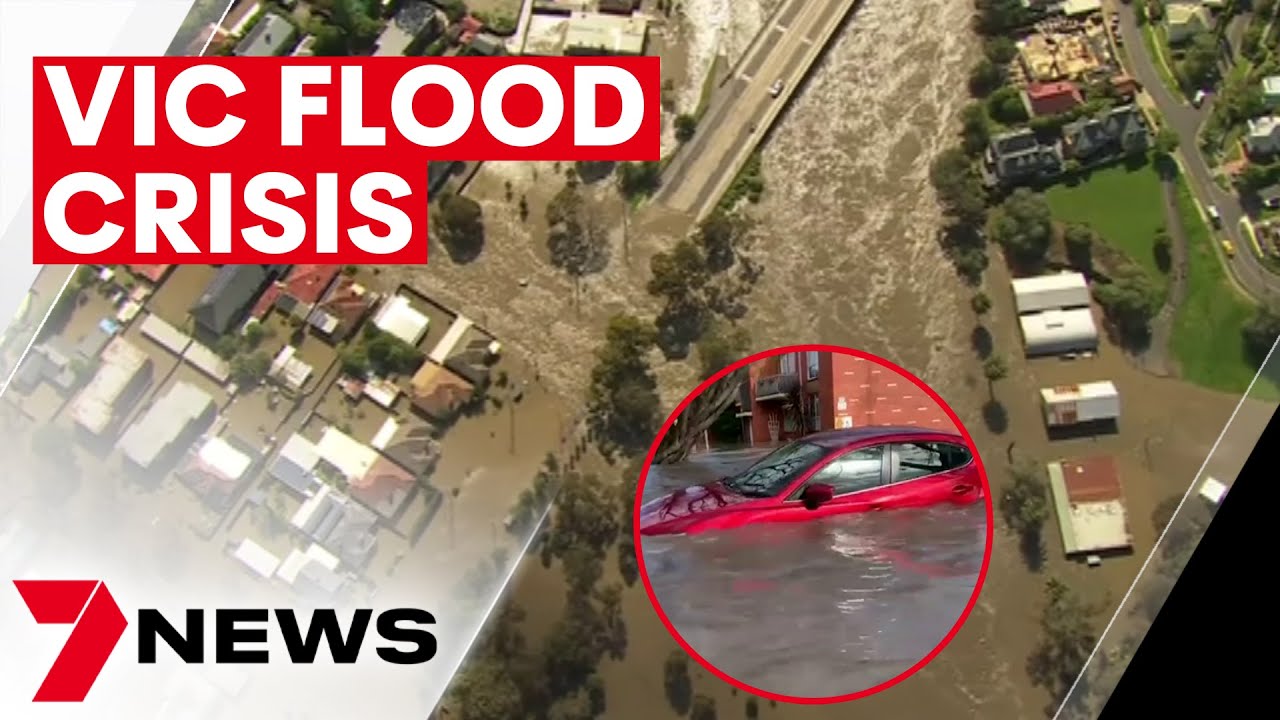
814, 610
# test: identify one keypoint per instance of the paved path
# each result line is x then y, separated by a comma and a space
1246, 267
742, 109
1158, 357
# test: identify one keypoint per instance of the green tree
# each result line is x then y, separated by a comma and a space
980, 302
1024, 504
1067, 636
722, 344
995, 369
1023, 226
999, 17
1006, 106
975, 129
704, 708
1130, 301
720, 235
1260, 333
576, 240
639, 179
622, 398
753, 708
1162, 249
1000, 50
959, 187
251, 369
486, 691
985, 78
677, 681
1166, 142
1199, 66
686, 125
459, 223
1079, 239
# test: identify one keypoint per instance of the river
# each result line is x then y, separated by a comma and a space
814, 610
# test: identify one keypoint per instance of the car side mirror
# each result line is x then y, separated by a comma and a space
817, 494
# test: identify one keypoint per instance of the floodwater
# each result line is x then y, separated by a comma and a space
814, 610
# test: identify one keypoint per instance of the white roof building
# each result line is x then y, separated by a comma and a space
1083, 403
224, 458
165, 422
124, 367
1263, 135
1089, 504
398, 317
289, 370
1048, 292
605, 34
350, 456
1059, 331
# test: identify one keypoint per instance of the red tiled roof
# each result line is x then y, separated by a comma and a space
266, 301
306, 283
383, 486
348, 302
1094, 479
151, 272
1053, 98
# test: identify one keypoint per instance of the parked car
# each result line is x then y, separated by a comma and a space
1229, 248
837, 472
1215, 217
1198, 99
776, 88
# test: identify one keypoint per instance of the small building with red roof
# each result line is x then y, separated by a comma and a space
299, 291
151, 273
1053, 98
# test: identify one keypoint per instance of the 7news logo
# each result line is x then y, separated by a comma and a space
98, 624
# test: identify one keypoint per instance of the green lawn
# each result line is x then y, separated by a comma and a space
1207, 332
1123, 205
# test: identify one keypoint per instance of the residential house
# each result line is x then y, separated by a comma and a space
124, 373
1125, 87
272, 35
230, 295
1271, 91
219, 469
343, 309
1262, 137
1182, 21
790, 395
298, 292
604, 34
170, 426
1019, 156
1115, 132
1054, 98
338, 524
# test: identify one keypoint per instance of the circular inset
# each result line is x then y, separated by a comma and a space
833, 544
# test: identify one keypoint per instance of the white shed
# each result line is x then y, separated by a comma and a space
1054, 332
1082, 403
1051, 292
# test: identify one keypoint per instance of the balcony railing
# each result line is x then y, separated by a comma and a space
776, 387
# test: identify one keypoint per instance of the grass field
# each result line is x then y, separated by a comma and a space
1122, 204
1206, 334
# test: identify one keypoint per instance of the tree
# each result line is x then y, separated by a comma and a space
486, 691
1067, 636
460, 226
1162, 249
388, 354
622, 399
1260, 333
995, 369
719, 235
975, 129
639, 179
704, 708
1078, 240
980, 303
251, 369
1024, 504
985, 78
1000, 50
1006, 106
1199, 66
226, 346
1130, 300
355, 362
999, 17
576, 240
677, 682
753, 708
686, 125
699, 415
959, 188
1023, 225
723, 344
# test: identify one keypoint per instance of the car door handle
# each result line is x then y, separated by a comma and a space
962, 489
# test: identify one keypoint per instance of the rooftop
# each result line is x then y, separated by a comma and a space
268, 37
122, 363
398, 317
1090, 505
1081, 391
165, 422
438, 391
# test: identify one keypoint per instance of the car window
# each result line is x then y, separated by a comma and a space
917, 460
853, 471
775, 473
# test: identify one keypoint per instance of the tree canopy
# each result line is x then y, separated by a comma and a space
459, 224
1023, 225
622, 399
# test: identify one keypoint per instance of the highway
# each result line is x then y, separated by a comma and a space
742, 109
1185, 120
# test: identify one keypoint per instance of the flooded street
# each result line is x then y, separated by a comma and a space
815, 609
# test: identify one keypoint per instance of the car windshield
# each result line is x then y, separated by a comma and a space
775, 473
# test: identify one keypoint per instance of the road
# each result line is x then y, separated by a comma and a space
1186, 121
742, 109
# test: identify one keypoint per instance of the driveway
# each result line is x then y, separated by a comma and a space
1186, 120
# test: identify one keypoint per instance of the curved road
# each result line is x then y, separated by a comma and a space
1186, 120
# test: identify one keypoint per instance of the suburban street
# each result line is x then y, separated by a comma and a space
1186, 121
741, 110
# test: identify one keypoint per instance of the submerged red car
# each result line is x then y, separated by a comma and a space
829, 473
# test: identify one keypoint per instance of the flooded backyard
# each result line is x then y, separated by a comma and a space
815, 609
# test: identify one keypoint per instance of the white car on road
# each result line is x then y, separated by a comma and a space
776, 88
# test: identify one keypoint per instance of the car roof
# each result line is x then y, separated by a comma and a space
832, 439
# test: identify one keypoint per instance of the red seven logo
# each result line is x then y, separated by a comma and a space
98, 626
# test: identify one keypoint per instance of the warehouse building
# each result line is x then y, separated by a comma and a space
1055, 315
1085, 405
125, 372
170, 427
